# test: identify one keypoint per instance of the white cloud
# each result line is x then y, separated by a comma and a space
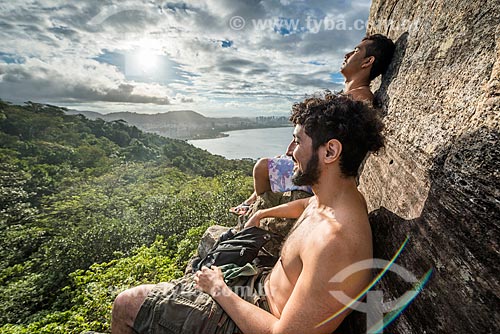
62, 44
65, 80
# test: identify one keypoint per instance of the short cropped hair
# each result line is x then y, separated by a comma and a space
382, 48
353, 123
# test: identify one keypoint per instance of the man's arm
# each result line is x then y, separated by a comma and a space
310, 302
288, 210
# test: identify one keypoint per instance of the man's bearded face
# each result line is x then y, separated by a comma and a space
308, 176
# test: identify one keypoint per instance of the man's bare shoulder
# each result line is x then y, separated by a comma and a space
341, 234
362, 95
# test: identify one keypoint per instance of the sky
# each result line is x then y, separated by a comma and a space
220, 58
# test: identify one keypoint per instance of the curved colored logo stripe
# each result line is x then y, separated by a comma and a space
401, 305
373, 282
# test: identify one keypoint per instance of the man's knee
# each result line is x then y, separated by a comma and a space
128, 303
121, 306
261, 177
260, 168
121, 301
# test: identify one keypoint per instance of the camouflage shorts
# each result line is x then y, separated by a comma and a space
177, 307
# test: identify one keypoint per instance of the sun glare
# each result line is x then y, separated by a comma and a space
144, 60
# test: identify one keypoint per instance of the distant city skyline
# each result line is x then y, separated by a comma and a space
219, 58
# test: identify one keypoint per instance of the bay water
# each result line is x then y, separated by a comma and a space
253, 143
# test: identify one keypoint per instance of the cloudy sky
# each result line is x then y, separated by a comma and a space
217, 57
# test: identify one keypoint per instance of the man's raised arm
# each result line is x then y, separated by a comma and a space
288, 210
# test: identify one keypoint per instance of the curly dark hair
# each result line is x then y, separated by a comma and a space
353, 123
382, 48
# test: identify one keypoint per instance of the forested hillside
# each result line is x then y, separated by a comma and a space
89, 208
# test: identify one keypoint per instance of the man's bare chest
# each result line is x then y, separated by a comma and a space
294, 244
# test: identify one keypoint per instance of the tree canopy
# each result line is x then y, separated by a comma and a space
89, 208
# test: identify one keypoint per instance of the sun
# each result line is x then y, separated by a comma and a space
143, 60
146, 61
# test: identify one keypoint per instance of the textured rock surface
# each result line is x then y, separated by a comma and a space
438, 181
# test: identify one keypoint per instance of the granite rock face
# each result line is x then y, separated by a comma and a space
438, 181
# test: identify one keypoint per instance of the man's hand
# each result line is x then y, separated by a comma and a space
254, 220
210, 281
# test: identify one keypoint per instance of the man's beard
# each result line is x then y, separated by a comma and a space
310, 175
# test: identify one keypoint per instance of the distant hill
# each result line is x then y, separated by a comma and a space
186, 124
178, 116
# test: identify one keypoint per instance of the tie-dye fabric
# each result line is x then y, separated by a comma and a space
280, 175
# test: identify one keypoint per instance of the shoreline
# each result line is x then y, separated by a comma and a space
227, 133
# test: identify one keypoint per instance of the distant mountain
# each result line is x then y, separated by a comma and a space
178, 116
89, 114
186, 124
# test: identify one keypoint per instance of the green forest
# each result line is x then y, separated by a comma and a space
89, 208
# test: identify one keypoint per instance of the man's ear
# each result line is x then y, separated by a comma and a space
333, 150
368, 61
